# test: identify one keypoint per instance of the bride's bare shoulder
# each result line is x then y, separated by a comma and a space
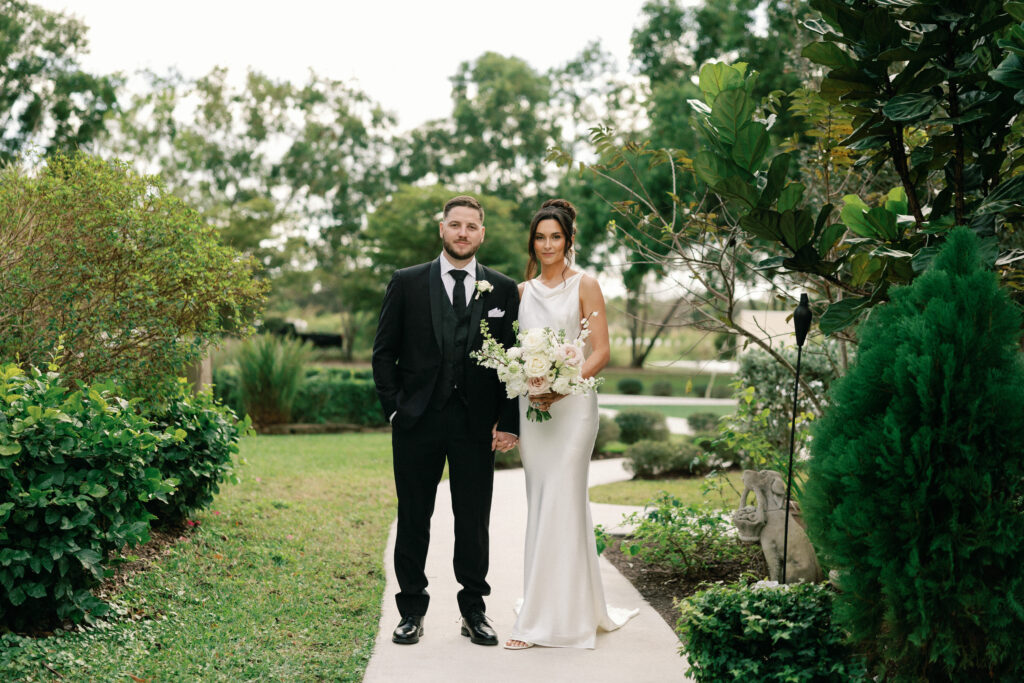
522, 286
589, 283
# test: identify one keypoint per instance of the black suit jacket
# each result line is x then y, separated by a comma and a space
407, 354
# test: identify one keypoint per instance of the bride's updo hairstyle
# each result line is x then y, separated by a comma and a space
564, 212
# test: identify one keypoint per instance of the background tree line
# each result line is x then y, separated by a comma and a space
318, 183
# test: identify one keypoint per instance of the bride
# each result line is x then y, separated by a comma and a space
563, 603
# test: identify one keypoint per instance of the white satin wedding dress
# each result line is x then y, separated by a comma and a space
563, 603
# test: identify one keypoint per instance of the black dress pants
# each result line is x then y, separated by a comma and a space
419, 454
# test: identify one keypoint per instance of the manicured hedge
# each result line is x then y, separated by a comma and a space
325, 395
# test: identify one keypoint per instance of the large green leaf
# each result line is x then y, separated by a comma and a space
828, 54
854, 216
730, 112
797, 229
1008, 194
716, 77
750, 146
1015, 10
842, 314
909, 107
896, 201
762, 223
830, 237
710, 168
1010, 72
791, 196
776, 178
734, 187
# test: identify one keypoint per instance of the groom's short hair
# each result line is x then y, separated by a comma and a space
463, 200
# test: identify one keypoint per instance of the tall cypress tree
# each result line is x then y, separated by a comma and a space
917, 473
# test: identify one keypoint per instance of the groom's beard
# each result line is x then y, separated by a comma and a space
460, 252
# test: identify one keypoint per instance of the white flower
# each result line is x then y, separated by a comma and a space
514, 353
562, 385
482, 287
538, 385
536, 365
572, 354
534, 339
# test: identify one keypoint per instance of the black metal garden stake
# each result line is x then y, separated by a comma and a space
802, 323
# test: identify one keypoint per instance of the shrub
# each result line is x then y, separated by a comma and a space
661, 387
508, 460
607, 431
630, 385
661, 459
270, 372
916, 472
328, 397
765, 632
686, 539
201, 458
133, 282
702, 422
76, 470
638, 424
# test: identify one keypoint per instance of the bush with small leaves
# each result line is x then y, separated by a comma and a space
637, 424
76, 470
630, 385
767, 633
607, 431
702, 422
661, 388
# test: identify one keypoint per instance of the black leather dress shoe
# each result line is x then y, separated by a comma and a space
409, 631
476, 628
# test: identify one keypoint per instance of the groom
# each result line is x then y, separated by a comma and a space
442, 405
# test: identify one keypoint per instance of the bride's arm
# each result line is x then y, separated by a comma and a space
591, 302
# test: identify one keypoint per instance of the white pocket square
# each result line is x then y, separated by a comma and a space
495, 313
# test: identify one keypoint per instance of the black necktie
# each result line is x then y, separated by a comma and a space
459, 292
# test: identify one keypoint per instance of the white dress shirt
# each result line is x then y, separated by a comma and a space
449, 282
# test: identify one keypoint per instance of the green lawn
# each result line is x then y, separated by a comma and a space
282, 579
641, 491
679, 411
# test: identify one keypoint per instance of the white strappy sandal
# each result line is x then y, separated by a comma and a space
517, 645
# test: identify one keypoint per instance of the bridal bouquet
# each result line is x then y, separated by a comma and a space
542, 360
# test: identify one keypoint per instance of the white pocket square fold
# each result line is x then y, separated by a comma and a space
495, 313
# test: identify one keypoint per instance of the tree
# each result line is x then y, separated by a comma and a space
113, 276
46, 99
285, 172
916, 481
404, 231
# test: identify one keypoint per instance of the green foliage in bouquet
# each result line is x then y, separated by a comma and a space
77, 468
916, 476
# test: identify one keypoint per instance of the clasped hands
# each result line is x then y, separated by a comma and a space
503, 441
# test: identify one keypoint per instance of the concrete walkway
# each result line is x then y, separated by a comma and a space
643, 651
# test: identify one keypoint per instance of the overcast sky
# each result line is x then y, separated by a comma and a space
401, 53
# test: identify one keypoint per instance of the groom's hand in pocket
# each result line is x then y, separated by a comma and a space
503, 441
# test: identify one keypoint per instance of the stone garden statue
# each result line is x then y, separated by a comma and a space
765, 523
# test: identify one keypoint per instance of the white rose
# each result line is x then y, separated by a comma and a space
514, 353
534, 339
516, 386
535, 365
562, 385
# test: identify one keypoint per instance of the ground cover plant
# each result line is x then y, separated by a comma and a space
281, 580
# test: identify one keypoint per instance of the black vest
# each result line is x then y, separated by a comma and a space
454, 340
